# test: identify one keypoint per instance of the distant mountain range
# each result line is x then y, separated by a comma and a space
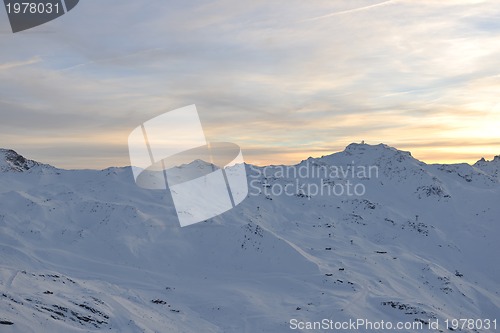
367, 233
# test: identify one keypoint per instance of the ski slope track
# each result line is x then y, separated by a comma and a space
89, 251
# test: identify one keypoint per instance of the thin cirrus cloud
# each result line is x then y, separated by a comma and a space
14, 64
284, 80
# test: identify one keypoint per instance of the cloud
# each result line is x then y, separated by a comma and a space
263, 74
15, 64
353, 10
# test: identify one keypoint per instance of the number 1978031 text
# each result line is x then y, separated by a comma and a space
32, 8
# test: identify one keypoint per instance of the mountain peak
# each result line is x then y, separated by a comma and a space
367, 153
490, 167
381, 147
483, 161
12, 161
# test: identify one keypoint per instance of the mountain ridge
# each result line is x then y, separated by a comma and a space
19, 162
88, 250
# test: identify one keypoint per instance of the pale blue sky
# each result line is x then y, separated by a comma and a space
283, 79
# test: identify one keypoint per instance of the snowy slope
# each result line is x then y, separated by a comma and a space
86, 250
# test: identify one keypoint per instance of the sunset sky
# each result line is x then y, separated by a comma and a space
283, 79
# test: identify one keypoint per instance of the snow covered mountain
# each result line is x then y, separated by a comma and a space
369, 232
12, 161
